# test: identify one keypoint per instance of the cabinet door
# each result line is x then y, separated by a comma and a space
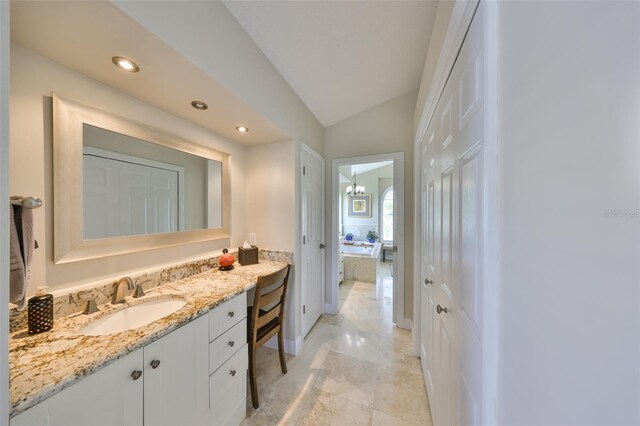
109, 396
176, 376
229, 390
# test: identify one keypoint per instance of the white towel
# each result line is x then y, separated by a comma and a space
21, 250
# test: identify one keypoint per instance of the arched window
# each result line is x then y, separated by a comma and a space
387, 215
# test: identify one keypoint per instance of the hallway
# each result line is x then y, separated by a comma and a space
356, 368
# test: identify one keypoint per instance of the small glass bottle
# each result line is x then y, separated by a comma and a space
40, 311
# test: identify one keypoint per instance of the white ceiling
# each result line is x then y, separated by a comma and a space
84, 36
342, 57
346, 172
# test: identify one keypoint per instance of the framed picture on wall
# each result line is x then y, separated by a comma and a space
360, 206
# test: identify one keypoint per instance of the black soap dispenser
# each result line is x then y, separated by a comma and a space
40, 311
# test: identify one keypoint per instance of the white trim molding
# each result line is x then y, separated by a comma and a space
407, 324
292, 347
491, 215
4, 211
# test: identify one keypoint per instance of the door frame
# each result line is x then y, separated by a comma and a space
459, 23
398, 189
304, 148
4, 210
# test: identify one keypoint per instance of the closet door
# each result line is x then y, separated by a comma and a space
451, 241
445, 261
468, 281
428, 348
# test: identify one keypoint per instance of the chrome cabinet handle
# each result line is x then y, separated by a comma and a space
231, 314
231, 343
136, 374
232, 372
155, 363
440, 309
427, 281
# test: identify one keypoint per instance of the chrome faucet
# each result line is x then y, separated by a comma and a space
118, 291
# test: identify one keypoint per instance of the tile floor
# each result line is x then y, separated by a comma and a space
356, 368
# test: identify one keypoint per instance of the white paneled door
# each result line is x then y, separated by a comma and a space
451, 241
312, 259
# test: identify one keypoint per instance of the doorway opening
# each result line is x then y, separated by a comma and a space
367, 245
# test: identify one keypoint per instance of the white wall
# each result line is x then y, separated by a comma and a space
382, 129
33, 80
270, 193
569, 154
207, 34
440, 25
359, 226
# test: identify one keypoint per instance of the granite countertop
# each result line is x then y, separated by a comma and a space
44, 364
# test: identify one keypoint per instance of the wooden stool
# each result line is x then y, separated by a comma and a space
266, 317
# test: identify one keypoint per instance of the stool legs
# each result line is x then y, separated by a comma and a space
252, 377
283, 362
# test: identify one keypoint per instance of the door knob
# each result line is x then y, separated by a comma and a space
155, 363
232, 372
231, 343
136, 374
427, 281
322, 245
440, 309
231, 314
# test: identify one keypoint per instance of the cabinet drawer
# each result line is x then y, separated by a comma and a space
222, 348
226, 315
228, 389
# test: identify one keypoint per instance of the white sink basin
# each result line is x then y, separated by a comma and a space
132, 317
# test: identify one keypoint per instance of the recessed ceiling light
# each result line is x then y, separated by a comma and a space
242, 129
199, 105
125, 64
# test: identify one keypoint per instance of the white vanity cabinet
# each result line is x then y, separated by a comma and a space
110, 396
228, 361
176, 385
195, 375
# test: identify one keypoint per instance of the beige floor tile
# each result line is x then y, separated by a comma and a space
350, 378
322, 408
402, 394
280, 399
381, 419
355, 368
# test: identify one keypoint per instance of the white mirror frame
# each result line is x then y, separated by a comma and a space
69, 246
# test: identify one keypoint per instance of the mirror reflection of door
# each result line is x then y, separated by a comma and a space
126, 195
135, 187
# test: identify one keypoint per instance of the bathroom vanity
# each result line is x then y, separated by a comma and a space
186, 368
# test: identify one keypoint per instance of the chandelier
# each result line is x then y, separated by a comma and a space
355, 190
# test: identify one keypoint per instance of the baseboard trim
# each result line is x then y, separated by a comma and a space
292, 347
405, 324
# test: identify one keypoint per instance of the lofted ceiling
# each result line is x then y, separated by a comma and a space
347, 171
342, 57
84, 36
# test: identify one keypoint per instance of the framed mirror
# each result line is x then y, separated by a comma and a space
122, 187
